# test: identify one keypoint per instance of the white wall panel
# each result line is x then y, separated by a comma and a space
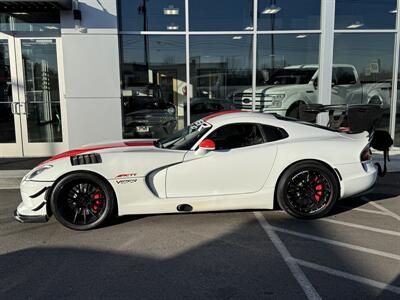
92, 120
91, 65
91, 73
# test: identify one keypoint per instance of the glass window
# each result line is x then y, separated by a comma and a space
272, 133
362, 70
365, 14
185, 138
287, 66
220, 15
288, 14
219, 66
153, 85
152, 15
7, 129
41, 90
236, 136
30, 21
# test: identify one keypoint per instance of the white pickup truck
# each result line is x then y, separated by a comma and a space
287, 88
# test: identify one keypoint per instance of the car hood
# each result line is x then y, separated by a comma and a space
135, 158
281, 88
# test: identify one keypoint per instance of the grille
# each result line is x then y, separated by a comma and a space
86, 159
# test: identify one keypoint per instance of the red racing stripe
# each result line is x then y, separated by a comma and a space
224, 112
98, 147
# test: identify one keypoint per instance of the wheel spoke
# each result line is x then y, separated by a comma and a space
76, 215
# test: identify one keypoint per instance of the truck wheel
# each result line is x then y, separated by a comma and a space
294, 110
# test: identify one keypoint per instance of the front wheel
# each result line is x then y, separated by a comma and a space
82, 201
307, 190
294, 111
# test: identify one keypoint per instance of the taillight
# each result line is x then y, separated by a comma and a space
366, 154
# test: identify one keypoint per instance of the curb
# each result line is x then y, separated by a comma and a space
11, 179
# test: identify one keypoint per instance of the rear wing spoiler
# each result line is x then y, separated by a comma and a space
353, 119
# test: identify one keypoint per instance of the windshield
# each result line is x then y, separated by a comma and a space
184, 139
292, 76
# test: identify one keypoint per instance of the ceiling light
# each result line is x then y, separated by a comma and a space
172, 26
171, 10
237, 37
355, 25
271, 10
301, 36
19, 13
394, 11
249, 28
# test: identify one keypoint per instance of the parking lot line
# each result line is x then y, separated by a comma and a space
370, 211
363, 227
337, 243
360, 279
298, 274
381, 208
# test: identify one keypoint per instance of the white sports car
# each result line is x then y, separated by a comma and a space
227, 161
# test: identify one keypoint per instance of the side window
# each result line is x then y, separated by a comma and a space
236, 136
345, 76
272, 133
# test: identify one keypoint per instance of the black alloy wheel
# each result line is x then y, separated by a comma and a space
82, 201
307, 190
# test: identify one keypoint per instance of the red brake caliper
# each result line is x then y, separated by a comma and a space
97, 203
318, 191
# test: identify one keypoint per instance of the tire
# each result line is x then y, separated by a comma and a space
307, 190
294, 111
82, 201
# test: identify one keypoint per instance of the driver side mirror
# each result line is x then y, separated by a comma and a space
205, 146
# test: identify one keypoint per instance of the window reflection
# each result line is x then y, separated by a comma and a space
288, 14
153, 85
42, 90
7, 129
362, 70
287, 67
30, 21
219, 67
365, 14
152, 15
221, 15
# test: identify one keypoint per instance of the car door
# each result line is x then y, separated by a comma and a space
240, 164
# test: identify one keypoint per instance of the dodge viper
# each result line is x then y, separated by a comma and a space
230, 160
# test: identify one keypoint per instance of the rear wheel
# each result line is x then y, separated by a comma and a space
307, 190
82, 201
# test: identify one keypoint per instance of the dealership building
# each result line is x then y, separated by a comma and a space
75, 72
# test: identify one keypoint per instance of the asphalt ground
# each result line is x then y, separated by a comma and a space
352, 254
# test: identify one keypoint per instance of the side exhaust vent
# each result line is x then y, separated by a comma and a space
184, 207
86, 159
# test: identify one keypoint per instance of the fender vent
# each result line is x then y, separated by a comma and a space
86, 159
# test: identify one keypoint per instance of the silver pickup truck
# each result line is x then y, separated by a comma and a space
288, 87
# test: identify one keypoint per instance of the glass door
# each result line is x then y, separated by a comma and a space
40, 106
10, 125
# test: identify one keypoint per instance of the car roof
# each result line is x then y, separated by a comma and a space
227, 116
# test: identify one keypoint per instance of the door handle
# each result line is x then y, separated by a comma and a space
13, 111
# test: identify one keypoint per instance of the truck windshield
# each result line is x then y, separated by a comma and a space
292, 76
184, 139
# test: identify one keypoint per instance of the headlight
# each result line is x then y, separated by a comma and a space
35, 172
276, 99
